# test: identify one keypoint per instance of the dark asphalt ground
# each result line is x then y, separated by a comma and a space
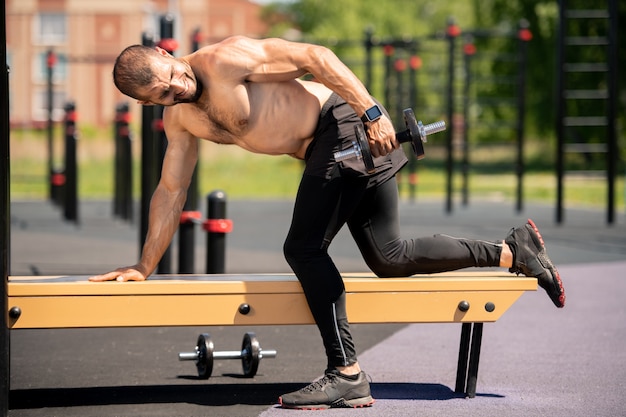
537, 360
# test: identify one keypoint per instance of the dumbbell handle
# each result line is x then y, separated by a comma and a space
424, 130
226, 354
402, 137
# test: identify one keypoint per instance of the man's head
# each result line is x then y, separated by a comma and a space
153, 76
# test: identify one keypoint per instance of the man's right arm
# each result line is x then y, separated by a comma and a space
166, 207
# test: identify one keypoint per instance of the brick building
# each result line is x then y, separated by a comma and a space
86, 36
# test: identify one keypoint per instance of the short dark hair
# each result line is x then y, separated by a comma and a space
132, 69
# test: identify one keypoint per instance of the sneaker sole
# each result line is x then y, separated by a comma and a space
560, 302
340, 403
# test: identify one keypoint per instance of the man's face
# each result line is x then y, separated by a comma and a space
174, 82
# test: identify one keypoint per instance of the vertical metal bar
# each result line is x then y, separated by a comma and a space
71, 166
165, 263
461, 368
187, 235
148, 159
369, 33
123, 175
50, 61
117, 173
613, 152
187, 231
5, 340
467, 59
167, 35
472, 372
560, 134
522, 42
399, 67
388, 51
127, 163
216, 242
451, 34
414, 64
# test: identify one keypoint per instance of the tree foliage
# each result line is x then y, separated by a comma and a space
347, 19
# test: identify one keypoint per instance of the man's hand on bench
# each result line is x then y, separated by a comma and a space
130, 273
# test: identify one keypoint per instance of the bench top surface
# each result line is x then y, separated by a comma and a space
264, 283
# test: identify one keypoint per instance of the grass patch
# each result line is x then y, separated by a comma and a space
245, 175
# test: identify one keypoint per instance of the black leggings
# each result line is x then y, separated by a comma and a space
322, 207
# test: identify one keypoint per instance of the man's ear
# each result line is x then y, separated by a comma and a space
162, 51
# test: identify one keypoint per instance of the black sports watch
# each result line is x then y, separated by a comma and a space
372, 114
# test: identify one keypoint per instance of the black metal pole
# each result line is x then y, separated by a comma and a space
5, 340
472, 369
216, 227
464, 347
71, 166
524, 36
127, 163
149, 173
187, 231
117, 163
388, 51
613, 150
400, 68
468, 51
369, 34
123, 164
168, 43
414, 66
560, 134
50, 62
452, 32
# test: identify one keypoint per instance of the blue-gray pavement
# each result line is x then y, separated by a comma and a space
536, 360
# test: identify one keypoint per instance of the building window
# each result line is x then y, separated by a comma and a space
40, 105
50, 29
59, 70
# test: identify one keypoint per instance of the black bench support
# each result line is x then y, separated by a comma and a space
467, 376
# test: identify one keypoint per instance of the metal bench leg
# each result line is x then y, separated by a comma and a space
472, 374
464, 348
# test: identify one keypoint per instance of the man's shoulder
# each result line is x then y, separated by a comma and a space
175, 117
227, 42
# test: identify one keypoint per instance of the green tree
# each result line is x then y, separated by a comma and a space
347, 19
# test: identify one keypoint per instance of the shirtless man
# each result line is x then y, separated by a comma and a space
249, 93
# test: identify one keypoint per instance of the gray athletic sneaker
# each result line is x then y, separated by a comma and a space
333, 390
531, 259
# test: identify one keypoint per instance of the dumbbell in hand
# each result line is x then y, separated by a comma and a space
416, 133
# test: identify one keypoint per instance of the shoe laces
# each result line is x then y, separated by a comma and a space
320, 384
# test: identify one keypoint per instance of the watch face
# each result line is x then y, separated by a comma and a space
373, 113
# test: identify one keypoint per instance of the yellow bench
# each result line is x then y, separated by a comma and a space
471, 298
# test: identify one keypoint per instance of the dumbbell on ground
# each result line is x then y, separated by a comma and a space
416, 133
204, 355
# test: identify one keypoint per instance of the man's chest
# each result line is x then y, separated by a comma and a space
220, 115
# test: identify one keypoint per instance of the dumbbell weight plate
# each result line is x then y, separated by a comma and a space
250, 354
412, 125
366, 154
204, 348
